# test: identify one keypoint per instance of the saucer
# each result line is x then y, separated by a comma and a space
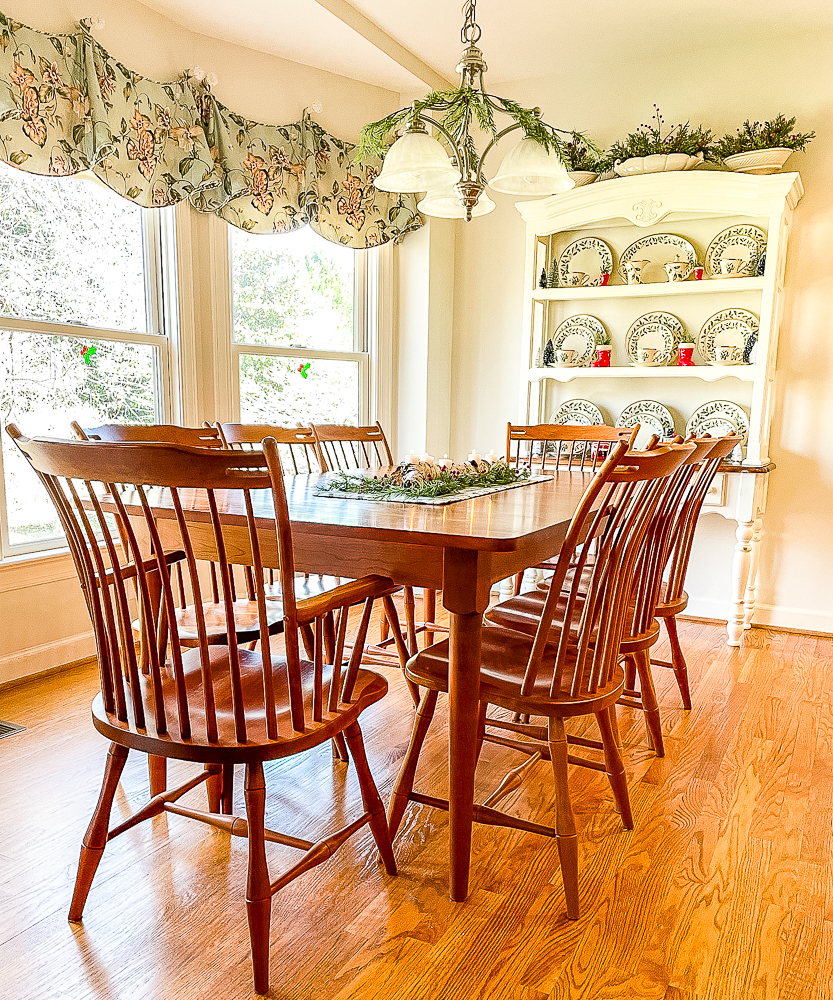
724, 364
647, 364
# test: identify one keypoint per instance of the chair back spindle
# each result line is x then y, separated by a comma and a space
344, 447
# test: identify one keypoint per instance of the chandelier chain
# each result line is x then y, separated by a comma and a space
470, 32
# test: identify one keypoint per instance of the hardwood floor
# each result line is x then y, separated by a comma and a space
723, 891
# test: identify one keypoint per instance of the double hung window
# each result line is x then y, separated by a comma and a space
81, 327
302, 328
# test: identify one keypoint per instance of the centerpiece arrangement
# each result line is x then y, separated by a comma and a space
648, 150
426, 481
762, 147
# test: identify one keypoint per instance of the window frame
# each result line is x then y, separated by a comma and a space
157, 240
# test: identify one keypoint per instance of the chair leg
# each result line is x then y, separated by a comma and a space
214, 787
340, 749
157, 774
410, 620
614, 765
258, 889
519, 582
370, 797
565, 823
630, 673
429, 613
481, 726
678, 660
95, 839
227, 798
650, 707
401, 648
405, 782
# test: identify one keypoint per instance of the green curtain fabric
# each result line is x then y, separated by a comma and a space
67, 105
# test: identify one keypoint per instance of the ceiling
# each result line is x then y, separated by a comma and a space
521, 39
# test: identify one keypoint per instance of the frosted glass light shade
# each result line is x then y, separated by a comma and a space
443, 203
416, 162
529, 169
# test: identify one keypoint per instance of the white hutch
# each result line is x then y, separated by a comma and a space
696, 205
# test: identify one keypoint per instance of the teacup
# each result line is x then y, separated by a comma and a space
646, 355
633, 271
678, 270
725, 354
577, 278
565, 357
732, 267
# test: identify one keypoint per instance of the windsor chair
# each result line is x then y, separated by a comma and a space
564, 670
544, 446
214, 704
344, 448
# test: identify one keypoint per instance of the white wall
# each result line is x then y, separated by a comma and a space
43, 619
720, 86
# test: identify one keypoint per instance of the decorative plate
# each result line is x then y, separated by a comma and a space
652, 417
743, 243
577, 412
727, 328
584, 262
717, 418
661, 330
580, 334
657, 251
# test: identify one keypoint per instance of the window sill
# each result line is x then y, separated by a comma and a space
34, 569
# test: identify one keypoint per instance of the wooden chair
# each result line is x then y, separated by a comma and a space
215, 705
343, 447
566, 671
544, 447
246, 620
299, 451
641, 629
673, 599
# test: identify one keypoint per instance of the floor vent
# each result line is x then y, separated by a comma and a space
9, 729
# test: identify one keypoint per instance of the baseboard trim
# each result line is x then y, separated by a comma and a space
767, 616
46, 657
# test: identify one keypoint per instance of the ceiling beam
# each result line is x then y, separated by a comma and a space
363, 26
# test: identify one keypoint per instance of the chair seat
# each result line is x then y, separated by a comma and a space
522, 614
503, 658
246, 622
369, 688
666, 608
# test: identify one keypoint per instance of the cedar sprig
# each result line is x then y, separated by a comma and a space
649, 140
777, 133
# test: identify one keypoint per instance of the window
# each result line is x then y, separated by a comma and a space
301, 328
80, 327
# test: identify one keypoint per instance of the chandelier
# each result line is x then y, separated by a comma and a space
452, 175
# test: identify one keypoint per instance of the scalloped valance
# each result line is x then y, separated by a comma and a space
66, 105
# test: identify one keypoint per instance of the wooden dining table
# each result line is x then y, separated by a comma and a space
460, 548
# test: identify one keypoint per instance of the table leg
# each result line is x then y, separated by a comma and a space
466, 582
463, 704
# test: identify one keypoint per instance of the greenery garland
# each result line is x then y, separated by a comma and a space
458, 107
422, 480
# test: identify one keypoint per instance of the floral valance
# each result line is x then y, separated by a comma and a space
67, 105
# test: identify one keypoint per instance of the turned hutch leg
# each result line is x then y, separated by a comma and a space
740, 576
752, 581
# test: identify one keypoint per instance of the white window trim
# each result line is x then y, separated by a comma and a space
157, 230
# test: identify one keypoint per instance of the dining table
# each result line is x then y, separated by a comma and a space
461, 548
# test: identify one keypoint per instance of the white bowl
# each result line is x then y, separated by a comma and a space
759, 161
656, 163
582, 177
